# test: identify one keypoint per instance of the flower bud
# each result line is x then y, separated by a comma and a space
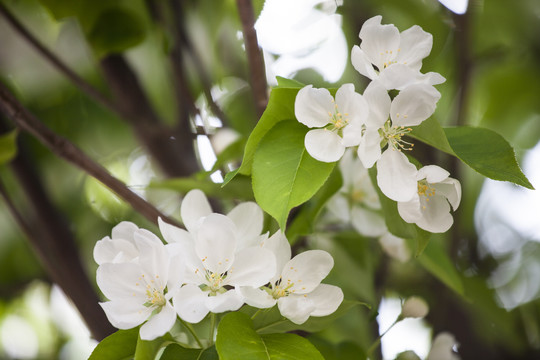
414, 307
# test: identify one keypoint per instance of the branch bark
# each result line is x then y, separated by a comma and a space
254, 55
54, 244
24, 120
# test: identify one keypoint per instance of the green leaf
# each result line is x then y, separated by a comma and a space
177, 352
149, 349
431, 133
395, 224
280, 107
435, 260
271, 320
488, 153
303, 222
120, 345
288, 83
61, 9
116, 29
8, 146
236, 339
284, 174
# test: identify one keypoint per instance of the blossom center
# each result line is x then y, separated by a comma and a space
155, 296
214, 281
282, 289
425, 191
394, 136
337, 120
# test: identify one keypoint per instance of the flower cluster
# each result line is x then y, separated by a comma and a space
219, 263
377, 123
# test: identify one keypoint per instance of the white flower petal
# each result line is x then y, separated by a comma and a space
369, 149
154, 258
248, 218
441, 349
216, 243
228, 301
399, 76
296, 308
326, 299
432, 78
173, 234
451, 189
396, 176
413, 105
362, 63
125, 314
124, 230
306, 270
415, 45
257, 297
109, 250
312, 106
436, 215
195, 206
414, 307
339, 207
280, 247
189, 303
379, 104
351, 105
379, 42
159, 324
119, 281
432, 174
324, 145
253, 266
367, 223
410, 211
347, 168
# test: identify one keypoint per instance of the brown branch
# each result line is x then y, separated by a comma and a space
254, 55
174, 152
26, 121
133, 105
57, 63
54, 245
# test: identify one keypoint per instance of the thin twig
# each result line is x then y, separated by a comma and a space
57, 63
26, 121
254, 55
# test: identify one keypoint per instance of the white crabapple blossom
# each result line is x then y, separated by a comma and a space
357, 202
139, 289
296, 288
396, 56
436, 194
388, 122
219, 256
119, 247
337, 124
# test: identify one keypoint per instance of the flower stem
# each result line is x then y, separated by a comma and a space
212, 327
256, 313
192, 332
378, 340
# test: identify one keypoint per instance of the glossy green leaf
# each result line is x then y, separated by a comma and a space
8, 146
119, 346
288, 83
236, 339
436, 260
178, 352
284, 174
303, 223
488, 153
271, 320
116, 29
431, 133
280, 107
148, 349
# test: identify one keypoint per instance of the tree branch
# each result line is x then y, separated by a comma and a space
254, 55
176, 158
57, 63
174, 152
54, 245
24, 120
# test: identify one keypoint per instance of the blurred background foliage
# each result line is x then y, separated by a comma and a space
191, 63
